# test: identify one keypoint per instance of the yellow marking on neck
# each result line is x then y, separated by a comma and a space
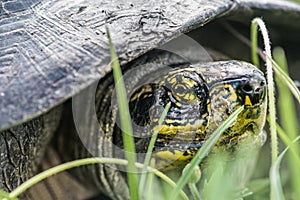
189, 97
172, 80
172, 156
173, 130
248, 101
190, 83
166, 160
232, 91
145, 89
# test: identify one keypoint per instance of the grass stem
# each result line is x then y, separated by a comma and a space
87, 161
151, 146
288, 119
127, 132
271, 86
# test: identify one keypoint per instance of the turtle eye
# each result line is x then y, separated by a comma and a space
180, 89
183, 90
186, 86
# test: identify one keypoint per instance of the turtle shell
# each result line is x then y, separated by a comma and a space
52, 49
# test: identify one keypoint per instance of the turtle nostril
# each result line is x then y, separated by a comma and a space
262, 83
257, 90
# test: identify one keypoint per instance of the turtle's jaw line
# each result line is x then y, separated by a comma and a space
249, 128
179, 149
170, 156
179, 145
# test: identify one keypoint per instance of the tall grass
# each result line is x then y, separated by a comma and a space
127, 132
288, 118
288, 121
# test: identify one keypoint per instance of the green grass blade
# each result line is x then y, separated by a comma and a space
288, 142
47, 173
259, 185
150, 147
286, 79
86, 161
5, 196
276, 187
203, 152
288, 119
150, 184
271, 88
194, 191
125, 119
254, 53
296, 1
194, 179
149, 189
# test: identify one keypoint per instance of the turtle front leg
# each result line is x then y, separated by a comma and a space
22, 148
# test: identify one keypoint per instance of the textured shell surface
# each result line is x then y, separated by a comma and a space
52, 49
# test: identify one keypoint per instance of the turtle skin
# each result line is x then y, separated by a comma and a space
210, 92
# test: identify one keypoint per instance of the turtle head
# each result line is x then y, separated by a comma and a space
201, 98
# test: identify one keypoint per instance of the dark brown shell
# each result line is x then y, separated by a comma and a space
52, 49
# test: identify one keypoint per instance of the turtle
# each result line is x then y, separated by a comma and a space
56, 74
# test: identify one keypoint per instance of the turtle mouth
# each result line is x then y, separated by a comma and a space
250, 133
190, 147
249, 128
184, 146
175, 154
170, 153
